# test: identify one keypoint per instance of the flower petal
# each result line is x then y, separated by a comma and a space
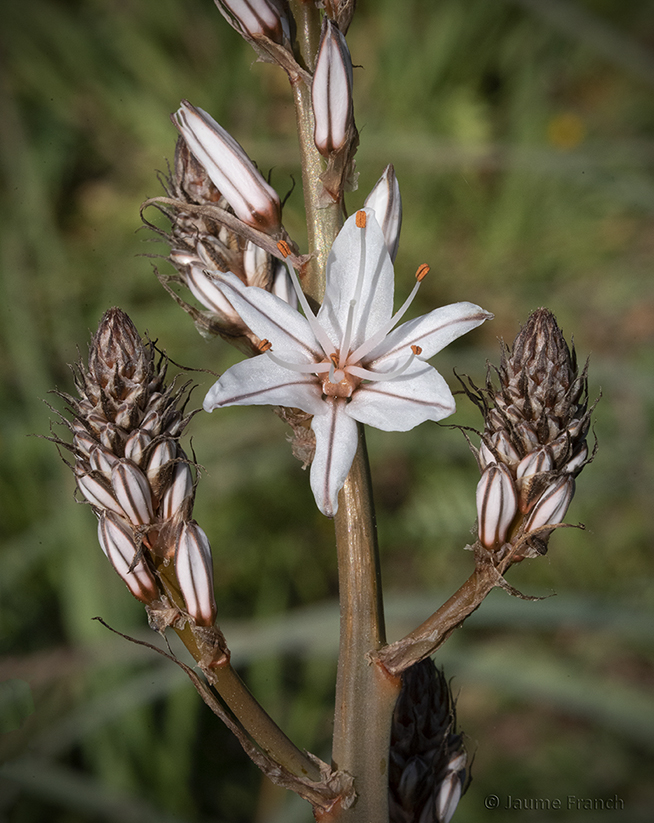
271, 318
260, 382
371, 286
419, 394
431, 332
336, 445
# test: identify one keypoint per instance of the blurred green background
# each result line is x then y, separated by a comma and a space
522, 133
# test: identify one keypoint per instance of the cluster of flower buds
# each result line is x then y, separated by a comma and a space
534, 441
428, 762
130, 467
212, 170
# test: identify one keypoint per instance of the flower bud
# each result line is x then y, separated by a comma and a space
256, 265
256, 18
102, 460
332, 91
97, 493
386, 202
205, 289
448, 797
180, 488
194, 569
132, 491
136, 444
117, 542
497, 505
230, 169
552, 505
534, 463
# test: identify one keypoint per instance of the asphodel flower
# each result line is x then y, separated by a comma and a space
348, 363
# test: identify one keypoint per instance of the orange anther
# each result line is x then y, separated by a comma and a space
334, 358
361, 219
264, 345
423, 271
284, 248
416, 350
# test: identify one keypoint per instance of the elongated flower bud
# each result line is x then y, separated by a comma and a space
230, 169
552, 505
386, 202
256, 18
194, 569
497, 505
117, 542
332, 91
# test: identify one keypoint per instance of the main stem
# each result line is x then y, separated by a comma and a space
365, 692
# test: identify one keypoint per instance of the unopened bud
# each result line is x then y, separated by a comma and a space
117, 542
97, 493
256, 18
206, 290
497, 505
332, 90
534, 463
230, 169
386, 202
552, 505
256, 265
180, 488
194, 569
448, 797
132, 491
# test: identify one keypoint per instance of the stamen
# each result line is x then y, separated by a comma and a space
360, 221
319, 333
264, 345
422, 272
416, 349
367, 346
284, 248
366, 374
303, 368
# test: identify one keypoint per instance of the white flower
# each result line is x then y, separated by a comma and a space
347, 363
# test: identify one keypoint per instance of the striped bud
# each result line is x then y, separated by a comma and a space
102, 460
256, 18
205, 289
331, 91
97, 493
132, 491
497, 505
534, 463
386, 202
117, 542
552, 506
194, 569
136, 444
180, 488
230, 169
448, 797
256, 265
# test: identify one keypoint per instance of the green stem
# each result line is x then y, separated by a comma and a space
249, 714
365, 692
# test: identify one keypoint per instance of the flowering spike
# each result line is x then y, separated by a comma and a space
194, 569
332, 91
231, 170
386, 202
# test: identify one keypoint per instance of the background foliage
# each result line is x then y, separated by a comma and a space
522, 135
